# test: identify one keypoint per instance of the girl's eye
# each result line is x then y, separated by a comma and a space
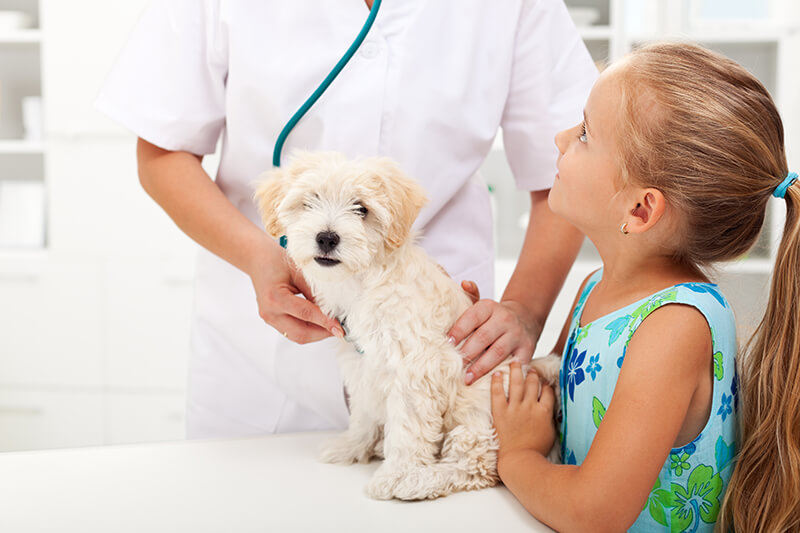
582, 136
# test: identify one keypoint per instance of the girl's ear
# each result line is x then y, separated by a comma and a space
649, 208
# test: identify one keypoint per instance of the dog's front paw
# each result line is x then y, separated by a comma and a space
346, 449
426, 482
384, 481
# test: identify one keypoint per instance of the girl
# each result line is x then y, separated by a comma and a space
671, 171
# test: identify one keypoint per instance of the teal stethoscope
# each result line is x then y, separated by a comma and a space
276, 153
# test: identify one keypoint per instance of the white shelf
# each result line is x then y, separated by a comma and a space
21, 37
596, 33
737, 36
21, 147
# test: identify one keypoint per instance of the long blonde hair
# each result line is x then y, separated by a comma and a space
713, 144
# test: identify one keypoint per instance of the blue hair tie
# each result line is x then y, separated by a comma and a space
780, 190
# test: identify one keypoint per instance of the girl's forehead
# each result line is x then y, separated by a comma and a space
604, 101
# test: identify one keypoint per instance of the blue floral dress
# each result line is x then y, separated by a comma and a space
689, 489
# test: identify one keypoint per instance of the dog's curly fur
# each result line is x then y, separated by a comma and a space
409, 404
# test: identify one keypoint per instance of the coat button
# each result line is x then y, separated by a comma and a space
369, 50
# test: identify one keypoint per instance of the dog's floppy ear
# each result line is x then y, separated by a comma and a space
406, 198
270, 191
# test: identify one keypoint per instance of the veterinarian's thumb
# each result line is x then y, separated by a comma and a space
472, 290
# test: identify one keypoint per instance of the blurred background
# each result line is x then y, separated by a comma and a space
96, 281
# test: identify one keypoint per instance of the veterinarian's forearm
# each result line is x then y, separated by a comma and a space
180, 185
553, 493
548, 252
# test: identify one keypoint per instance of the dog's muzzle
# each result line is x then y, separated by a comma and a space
327, 242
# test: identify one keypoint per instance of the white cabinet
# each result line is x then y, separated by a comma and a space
148, 306
40, 418
51, 321
22, 181
94, 315
138, 417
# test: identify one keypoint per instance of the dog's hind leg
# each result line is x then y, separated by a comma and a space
356, 445
468, 457
412, 438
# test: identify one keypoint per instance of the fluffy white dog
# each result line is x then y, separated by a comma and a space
348, 225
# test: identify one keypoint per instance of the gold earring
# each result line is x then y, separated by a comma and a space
624, 228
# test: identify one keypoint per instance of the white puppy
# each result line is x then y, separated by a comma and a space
348, 225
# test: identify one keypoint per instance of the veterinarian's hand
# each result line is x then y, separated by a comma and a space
493, 331
277, 283
524, 420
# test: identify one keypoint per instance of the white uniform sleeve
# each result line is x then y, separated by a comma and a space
168, 85
551, 77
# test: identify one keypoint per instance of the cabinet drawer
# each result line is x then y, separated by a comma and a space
35, 420
148, 308
145, 417
51, 323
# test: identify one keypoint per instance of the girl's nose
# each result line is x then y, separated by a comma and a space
562, 140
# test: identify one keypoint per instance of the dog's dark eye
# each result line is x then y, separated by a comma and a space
361, 210
307, 203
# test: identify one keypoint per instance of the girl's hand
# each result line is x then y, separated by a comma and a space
493, 331
523, 421
277, 283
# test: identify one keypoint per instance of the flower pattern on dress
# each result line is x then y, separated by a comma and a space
617, 327
698, 500
575, 375
724, 454
679, 463
710, 288
594, 366
725, 409
687, 494
719, 371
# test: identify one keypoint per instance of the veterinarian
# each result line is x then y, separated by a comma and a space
429, 87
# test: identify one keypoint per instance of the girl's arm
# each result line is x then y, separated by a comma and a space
665, 361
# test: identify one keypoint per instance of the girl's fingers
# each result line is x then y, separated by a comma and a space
532, 386
515, 384
499, 402
548, 397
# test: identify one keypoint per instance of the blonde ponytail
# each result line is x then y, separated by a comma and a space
764, 491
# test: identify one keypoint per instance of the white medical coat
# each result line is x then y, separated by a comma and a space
429, 87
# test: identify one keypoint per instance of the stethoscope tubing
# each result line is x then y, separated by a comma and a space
276, 154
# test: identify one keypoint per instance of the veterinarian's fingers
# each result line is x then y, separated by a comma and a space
515, 386
306, 311
493, 356
299, 331
472, 290
469, 321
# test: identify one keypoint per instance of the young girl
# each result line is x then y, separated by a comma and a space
671, 171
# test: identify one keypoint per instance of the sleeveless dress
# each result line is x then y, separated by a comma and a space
688, 492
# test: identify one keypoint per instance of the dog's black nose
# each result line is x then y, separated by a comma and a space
327, 241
